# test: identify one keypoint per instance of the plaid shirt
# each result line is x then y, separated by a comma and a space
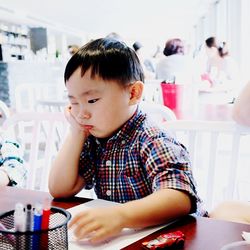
12, 163
137, 161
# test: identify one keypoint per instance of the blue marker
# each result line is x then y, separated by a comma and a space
37, 217
37, 223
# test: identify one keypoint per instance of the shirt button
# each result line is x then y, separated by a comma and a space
108, 192
123, 142
108, 163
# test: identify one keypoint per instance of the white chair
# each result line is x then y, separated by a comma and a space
25, 98
28, 96
219, 153
51, 105
4, 112
152, 91
158, 112
40, 134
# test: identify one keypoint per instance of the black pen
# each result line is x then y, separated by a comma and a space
29, 225
29, 217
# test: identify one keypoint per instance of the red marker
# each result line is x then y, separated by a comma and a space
45, 224
46, 214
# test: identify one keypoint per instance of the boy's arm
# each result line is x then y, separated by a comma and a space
160, 207
241, 109
64, 180
175, 195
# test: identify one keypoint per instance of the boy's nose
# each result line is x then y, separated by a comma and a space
83, 115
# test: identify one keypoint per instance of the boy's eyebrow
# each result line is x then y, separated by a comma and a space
89, 92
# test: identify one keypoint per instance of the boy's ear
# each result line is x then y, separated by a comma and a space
135, 90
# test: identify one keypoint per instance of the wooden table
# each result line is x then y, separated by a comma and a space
201, 233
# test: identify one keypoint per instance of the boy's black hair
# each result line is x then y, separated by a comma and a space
108, 59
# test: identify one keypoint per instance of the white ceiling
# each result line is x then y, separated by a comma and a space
133, 19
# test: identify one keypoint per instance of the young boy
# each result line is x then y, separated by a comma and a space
113, 147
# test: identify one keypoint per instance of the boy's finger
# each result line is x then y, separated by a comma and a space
75, 219
100, 235
80, 219
85, 231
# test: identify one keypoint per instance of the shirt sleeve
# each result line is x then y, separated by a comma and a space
12, 163
168, 166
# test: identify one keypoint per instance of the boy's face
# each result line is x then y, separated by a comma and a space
100, 107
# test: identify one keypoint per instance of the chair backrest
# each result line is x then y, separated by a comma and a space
51, 105
28, 96
40, 135
152, 91
25, 98
158, 112
218, 154
4, 112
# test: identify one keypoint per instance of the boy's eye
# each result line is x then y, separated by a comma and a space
74, 103
93, 100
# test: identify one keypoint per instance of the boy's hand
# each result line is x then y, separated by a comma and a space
75, 125
97, 224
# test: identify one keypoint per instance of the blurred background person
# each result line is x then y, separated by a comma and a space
146, 62
211, 47
202, 59
116, 36
222, 67
73, 49
175, 66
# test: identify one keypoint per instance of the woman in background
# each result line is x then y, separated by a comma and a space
222, 68
175, 66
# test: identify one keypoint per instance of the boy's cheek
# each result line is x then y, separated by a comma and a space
74, 111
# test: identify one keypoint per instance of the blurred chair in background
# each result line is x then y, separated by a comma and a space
51, 105
219, 153
152, 91
41, 135
25, 98
158, 112
30, 97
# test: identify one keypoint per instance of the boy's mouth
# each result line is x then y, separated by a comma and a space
88, 127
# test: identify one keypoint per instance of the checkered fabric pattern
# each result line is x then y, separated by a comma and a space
137, 161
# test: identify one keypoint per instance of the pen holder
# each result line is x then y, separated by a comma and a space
55, 237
